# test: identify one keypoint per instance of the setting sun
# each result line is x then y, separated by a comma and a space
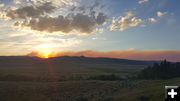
46, 53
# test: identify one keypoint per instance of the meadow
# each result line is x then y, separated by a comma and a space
65, 80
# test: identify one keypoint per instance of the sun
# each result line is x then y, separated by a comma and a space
45, 53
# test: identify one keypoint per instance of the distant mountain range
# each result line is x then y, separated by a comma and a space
27, 60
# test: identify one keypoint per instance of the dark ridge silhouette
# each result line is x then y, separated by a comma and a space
29, 60
101, 60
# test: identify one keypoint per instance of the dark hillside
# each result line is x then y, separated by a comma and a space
23, 60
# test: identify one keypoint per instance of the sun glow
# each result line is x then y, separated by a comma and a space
45, 51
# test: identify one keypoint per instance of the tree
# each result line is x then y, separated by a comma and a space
164, 70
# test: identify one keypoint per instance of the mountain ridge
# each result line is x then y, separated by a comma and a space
74, 59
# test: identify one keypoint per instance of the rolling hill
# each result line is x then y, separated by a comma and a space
71, 67
64, 79
24, 60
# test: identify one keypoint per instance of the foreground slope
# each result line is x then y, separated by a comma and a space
85, 90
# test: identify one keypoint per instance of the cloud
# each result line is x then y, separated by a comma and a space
97, 38
101, 19
30, 11
152, 20
43, 16
1, 5
160, 14
143, 1
2, 14
79, 22
48, 24
18, 1
170, 55
83, 23
56, 2
123, 22
100, 30
19, 42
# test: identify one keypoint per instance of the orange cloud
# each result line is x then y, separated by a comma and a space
170, 55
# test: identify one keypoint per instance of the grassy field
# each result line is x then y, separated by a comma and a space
50, 72
85, 90
63, 81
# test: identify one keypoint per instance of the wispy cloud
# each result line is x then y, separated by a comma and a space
18, 1
57, 2
19, 42
143, 1
123, 22
160, 14
152, 20
1, 5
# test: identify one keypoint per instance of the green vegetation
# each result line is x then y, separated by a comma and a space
111, 77
126, 90
164, 70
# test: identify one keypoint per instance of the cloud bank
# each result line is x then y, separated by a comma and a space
30, 11
170, 55
80, 22
39, 17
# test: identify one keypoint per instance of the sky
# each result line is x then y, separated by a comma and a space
132, 29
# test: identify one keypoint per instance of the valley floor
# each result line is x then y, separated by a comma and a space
126, 90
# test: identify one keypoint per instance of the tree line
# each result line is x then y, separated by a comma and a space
163, 70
